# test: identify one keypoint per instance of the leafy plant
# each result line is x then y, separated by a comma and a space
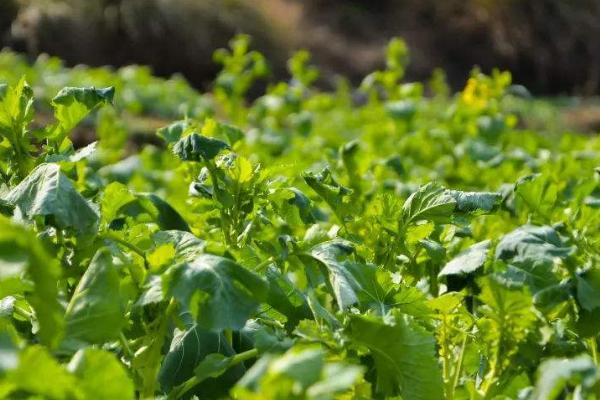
300, 245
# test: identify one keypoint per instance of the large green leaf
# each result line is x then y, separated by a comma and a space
429, 202
404, 355
432, 202
538, 245
95, 313
47, 192
529, 252
220, 293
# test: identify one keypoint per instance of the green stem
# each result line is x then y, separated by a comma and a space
188, 385
594, 349
130, 246
458, 369
228, 333
125, 345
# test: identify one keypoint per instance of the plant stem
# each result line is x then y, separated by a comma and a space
459, 365
188, 385
130, 246
125, 345
228, 333
594, 349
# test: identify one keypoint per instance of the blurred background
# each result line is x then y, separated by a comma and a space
551, 46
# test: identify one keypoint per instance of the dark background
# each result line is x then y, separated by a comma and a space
551, 46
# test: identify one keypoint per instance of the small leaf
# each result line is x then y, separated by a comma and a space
334, 194
196, 147
173, 132
468, 261
470, 202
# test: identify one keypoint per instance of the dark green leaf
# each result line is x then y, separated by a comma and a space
220, 293
196, 147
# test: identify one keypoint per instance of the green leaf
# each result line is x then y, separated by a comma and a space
220, 293
16, 109
299, 373
193, 350
187, 246
115, 196
72, 104
95, 313
22, 257
47, 192
529, 252
588, 289
404, 355
196, 147
334, 194
39, 374
431, 203
212, 366
507, 319
167, 217
434, 203
266, 338
468, 261
556, 374
285, 297
329, 255
470, 202
101, 376
173, 132
304, 205
538, 193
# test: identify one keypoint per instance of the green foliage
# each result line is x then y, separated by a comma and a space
301, 245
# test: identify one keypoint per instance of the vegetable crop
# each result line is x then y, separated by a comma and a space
391, 241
